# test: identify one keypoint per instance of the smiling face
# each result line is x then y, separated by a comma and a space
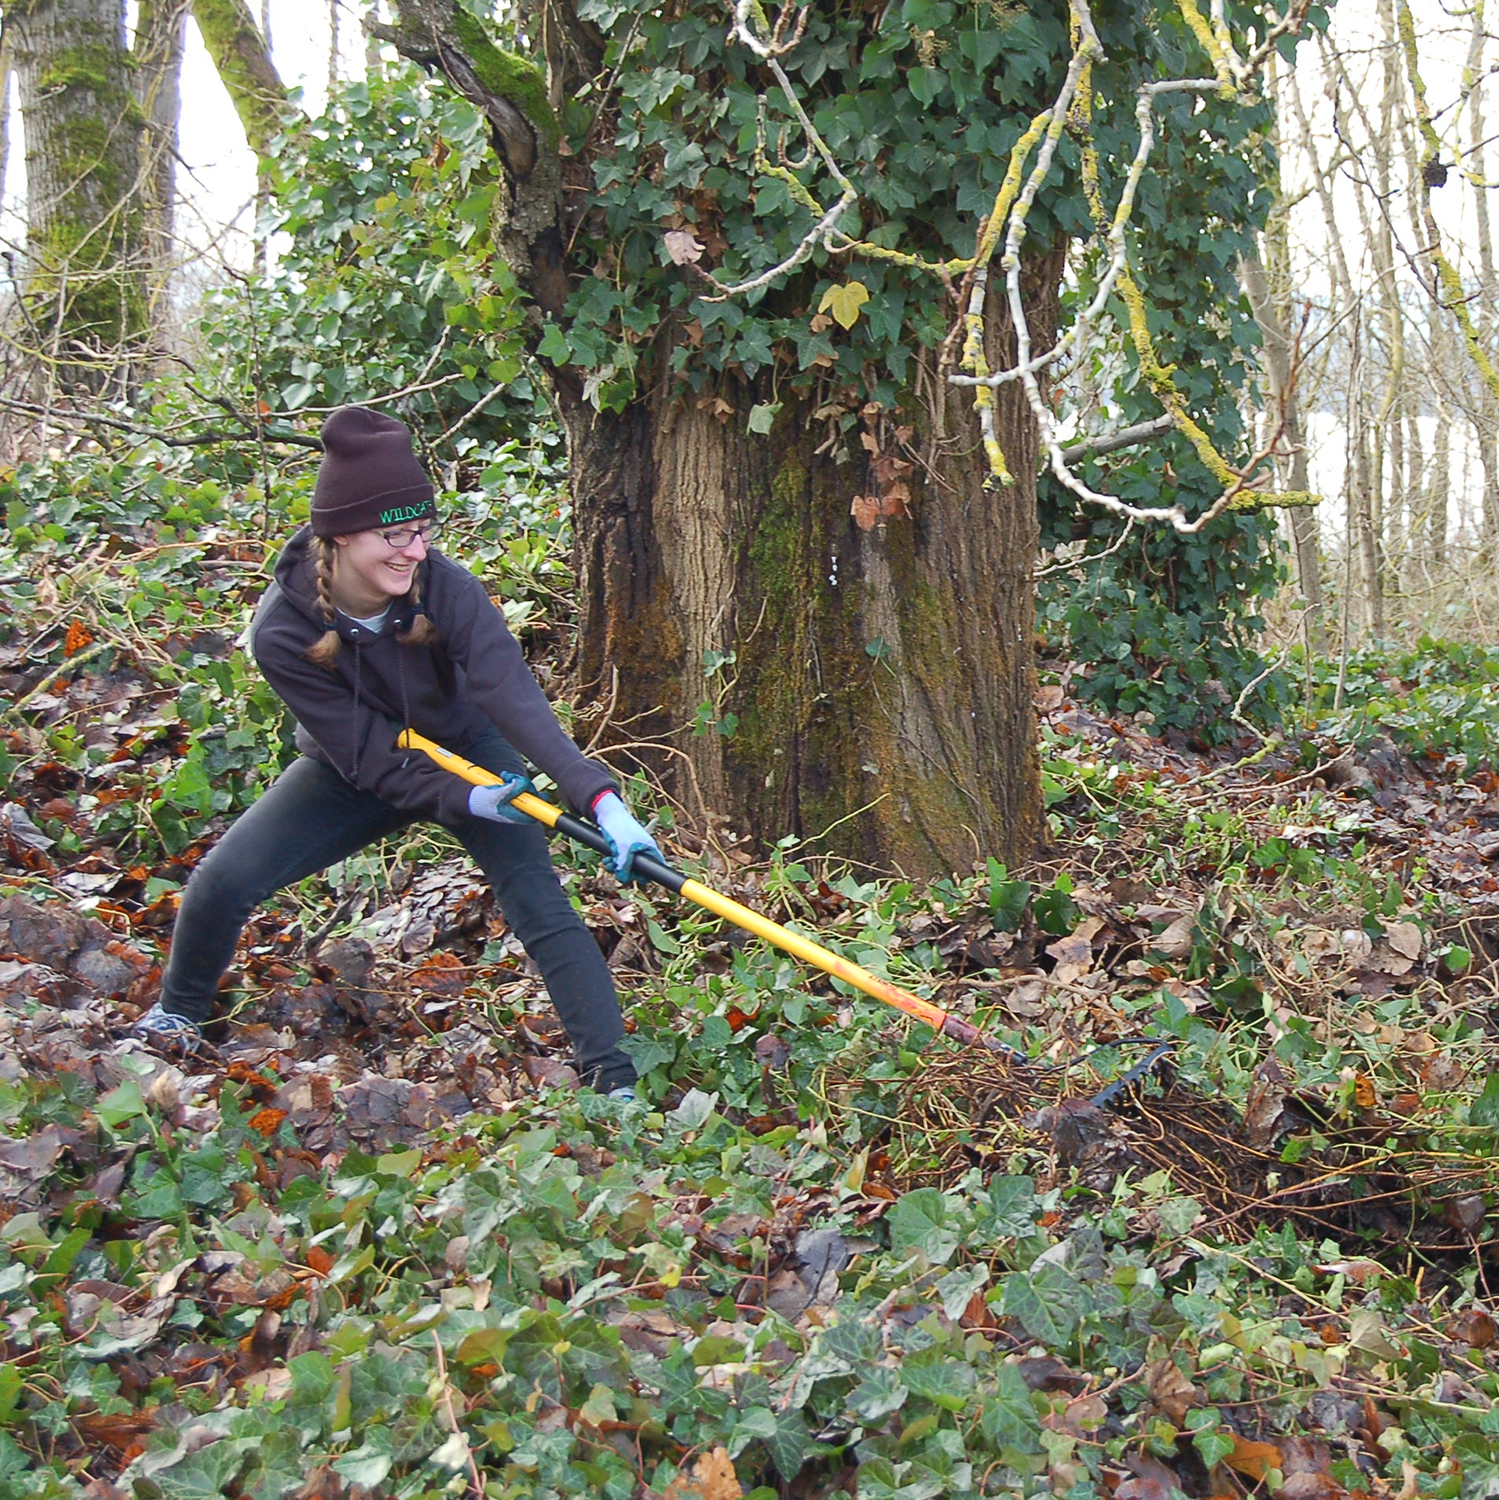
368, 572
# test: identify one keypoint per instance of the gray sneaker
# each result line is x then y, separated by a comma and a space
167, 1033
624, 1093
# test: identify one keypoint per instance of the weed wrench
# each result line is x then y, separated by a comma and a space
730, 910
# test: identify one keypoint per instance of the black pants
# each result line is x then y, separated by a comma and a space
311, 818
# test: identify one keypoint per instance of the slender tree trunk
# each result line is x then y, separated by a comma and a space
1486, 414
241, 52
5, 74
374, 17
1439, 487
1363, 535
334, 7
1286, 413
159, 29
86, 263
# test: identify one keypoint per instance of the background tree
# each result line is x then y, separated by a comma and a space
242, 56
1388, 274
85, 280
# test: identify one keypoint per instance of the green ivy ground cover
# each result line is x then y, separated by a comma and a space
367, 1248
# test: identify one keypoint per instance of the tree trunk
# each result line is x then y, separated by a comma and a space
5, 72
158, 91
85, 275
1363, 525
1486, 412
871, 689
1286, 413
373, 65
1438, 490
881, 683
1388, 436
334, 73
242, 57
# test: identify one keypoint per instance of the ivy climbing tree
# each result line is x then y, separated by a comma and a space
797, 286
763, 269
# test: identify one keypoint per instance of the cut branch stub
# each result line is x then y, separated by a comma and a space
508, 89
511, 92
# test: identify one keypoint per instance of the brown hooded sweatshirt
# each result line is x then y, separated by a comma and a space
472, 677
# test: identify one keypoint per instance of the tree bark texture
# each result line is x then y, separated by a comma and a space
158, 90
881, 682
5, 112
86, 263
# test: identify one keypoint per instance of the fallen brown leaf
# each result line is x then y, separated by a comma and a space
712, 1478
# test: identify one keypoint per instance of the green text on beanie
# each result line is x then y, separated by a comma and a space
369, 477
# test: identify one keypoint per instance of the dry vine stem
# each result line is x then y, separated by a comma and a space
1235, 73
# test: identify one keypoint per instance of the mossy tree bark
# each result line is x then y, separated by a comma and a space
86, 272
243, 60
878, 683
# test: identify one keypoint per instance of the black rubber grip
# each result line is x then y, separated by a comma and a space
646, 866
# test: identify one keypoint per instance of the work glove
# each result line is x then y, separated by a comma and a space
493, 802
626, 836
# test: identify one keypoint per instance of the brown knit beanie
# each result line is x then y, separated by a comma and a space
369, 477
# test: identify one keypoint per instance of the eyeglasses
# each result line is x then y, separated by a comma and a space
405, 535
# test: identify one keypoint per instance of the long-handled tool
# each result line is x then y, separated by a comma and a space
730, 910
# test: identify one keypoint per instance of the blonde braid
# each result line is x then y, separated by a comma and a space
324, 651
423, 632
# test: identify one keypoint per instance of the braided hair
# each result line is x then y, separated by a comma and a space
323, 652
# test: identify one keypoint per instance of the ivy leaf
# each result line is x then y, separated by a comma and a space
957, 1288
1484, 1110
844, 302
370, 1463
1047, 1301
790, 1444
762, 418
693, 1112
878, 1394
201, 1475
1011, 1209
918, 1224
1008, 1418
1213, 1445
126, 1103
554, 345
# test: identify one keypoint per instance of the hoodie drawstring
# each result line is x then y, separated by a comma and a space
358, 665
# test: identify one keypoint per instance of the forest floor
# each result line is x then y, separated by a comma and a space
1226, 1232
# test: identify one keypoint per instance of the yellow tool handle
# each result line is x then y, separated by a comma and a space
527, 802
721, 905
814, 953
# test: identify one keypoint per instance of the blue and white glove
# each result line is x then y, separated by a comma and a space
626, 836
493, 802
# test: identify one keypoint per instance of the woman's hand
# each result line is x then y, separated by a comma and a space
627, 837
493, 802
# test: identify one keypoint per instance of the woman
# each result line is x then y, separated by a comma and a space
367, 630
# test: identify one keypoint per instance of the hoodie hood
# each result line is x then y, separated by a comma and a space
295, 575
